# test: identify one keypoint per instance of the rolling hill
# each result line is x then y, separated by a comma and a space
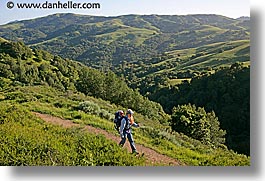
105, 42
181, 65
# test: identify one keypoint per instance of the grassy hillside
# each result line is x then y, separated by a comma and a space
182, 65
173, 60
28, 141
34, 80
21, 100
104, 42
20, 65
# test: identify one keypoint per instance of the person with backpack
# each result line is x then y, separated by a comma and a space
127, 123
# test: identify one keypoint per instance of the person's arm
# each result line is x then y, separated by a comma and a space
135, 125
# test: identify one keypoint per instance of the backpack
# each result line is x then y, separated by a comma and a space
117, 121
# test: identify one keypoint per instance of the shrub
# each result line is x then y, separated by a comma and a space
89, 107
106, 115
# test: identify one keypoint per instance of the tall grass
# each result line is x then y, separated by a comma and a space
158, 137
26, 141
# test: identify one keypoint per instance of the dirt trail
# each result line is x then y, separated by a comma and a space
151, 155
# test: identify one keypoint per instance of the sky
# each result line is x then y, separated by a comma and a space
229, 8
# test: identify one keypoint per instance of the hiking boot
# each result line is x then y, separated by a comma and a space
135, 152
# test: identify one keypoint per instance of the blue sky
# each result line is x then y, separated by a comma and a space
230, 8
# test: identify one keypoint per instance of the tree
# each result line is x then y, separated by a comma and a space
91, 82
226, 92
198, 124
216, 134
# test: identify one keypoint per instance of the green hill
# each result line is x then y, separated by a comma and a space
34, 80
20, 65
167, 59
177, 66
147, 50
104, 42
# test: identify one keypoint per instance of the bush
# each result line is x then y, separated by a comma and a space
89, 107
94, 109
106, 115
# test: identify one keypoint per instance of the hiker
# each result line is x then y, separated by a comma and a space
126, 130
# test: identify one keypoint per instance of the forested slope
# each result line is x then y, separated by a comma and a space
19, 65
226, 92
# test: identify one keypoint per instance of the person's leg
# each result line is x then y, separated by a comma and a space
123, 140
130, 138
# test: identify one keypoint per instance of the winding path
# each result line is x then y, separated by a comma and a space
151, 155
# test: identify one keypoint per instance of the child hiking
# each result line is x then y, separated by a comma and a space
127, 123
